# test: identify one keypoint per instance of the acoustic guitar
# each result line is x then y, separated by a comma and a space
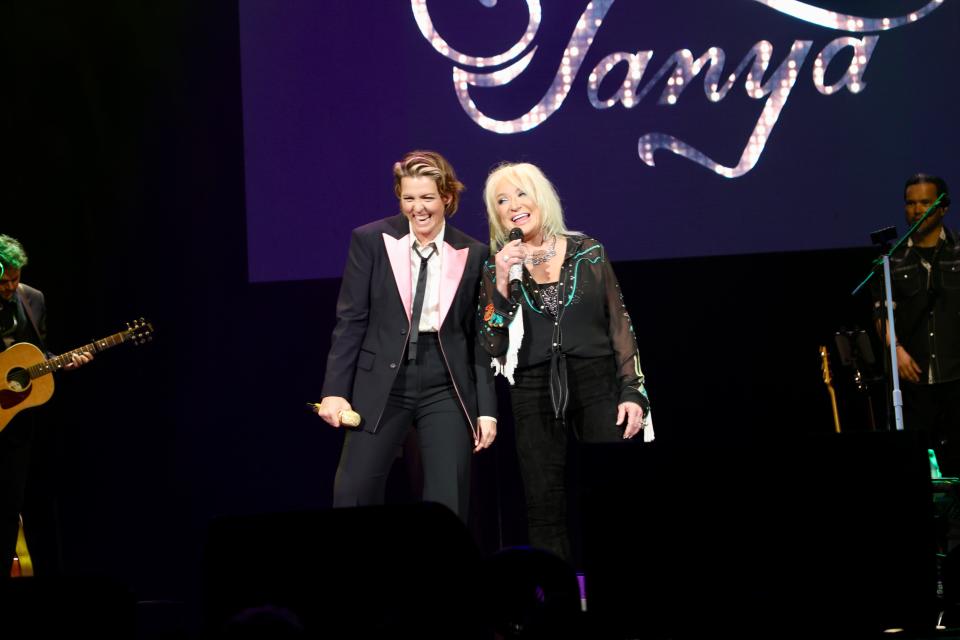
828, 380
26, 381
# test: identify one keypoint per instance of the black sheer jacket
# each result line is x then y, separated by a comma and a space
590, 321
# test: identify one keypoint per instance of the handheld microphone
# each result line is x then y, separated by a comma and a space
516, 270
347, 418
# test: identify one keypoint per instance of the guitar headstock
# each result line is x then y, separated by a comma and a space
139, 331
825, 364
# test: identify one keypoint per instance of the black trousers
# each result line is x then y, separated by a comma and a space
27, 487
543, 440
422, 397
935, 408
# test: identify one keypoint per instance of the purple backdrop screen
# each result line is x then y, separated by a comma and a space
671, 129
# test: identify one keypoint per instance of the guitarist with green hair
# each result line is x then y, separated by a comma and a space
23, 319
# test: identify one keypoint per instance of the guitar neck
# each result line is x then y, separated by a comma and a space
828, 380
57, 363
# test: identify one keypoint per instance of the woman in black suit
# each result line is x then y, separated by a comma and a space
404, 351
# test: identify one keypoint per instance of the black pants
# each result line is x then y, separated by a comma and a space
423, 397
543, 440
935, 408
27, 479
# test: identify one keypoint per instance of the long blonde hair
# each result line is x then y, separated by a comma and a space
530, 179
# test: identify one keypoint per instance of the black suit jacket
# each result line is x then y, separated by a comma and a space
34, 330
373, 320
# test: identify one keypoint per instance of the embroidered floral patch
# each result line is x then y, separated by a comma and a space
491, 317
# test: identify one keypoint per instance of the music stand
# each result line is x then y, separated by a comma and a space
856, 352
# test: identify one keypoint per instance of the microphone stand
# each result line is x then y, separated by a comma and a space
888, 290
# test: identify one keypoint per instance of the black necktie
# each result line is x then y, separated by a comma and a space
418, 301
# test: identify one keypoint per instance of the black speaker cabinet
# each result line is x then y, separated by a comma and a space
760, 537
357, 572
66, 606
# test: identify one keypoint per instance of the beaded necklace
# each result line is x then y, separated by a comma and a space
540, 257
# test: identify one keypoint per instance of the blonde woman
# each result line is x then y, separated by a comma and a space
563, 338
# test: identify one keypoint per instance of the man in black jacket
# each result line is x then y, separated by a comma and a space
23, 318
925, 275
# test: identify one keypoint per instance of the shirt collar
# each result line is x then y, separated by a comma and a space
437, 239
943, 237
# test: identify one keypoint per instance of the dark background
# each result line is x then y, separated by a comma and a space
123, 176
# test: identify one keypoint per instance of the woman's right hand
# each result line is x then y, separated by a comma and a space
330, 407
511, 253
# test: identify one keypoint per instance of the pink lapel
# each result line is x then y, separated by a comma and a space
398, 250
454, 262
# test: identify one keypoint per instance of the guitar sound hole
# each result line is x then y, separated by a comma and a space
18, 379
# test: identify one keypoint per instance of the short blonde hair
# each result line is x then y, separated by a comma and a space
430, 164
530, 179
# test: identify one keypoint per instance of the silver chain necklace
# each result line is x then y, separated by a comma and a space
542, 256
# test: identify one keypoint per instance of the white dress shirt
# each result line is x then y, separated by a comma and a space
430, 314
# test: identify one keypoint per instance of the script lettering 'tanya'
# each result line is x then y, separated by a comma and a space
679, 70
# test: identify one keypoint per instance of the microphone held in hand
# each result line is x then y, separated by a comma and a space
516, 270
347, 418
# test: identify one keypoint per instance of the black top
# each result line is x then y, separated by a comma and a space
926, 295
591, 321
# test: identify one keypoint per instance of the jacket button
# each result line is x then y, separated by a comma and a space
393, 365
403, 332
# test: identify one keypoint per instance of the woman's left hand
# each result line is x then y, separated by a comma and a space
486, 433
633, 412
